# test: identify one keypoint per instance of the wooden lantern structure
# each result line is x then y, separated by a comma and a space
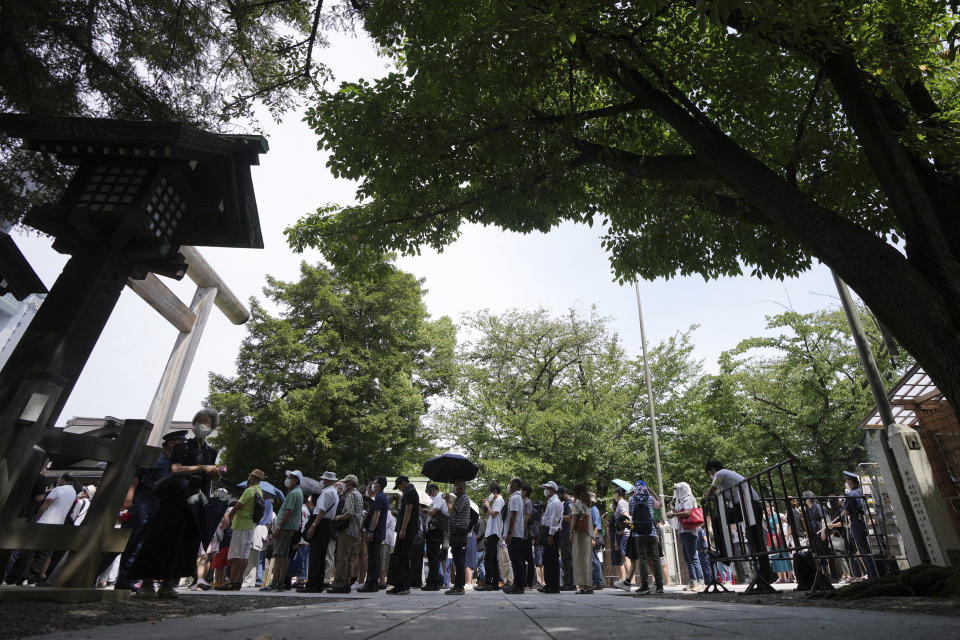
141, 196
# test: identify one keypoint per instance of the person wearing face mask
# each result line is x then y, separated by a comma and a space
549, 529
169, 551
284, 528
142, 506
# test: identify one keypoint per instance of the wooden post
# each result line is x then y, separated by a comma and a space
178, 366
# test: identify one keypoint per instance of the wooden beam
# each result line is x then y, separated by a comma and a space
204, 276
165, 301
178, 366
20, 534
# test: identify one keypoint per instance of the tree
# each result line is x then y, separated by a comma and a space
556, 398
795, 395
202, 62
709, 136
341, 379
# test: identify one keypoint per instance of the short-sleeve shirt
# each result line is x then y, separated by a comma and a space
565, 526
438, 503
515, 504
726, 479
410, 497
595, 517
243, 520
327, 502
528, 516
379, 505
493, 521
854, 503
61, 502
294, 504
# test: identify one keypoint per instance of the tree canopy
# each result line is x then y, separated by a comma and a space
339, 379
207, 63
708, 137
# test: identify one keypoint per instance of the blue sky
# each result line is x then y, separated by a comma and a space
485, 269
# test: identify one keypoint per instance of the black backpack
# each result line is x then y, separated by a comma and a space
259, 506
642, 522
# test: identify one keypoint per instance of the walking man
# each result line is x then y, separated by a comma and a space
320, 533
551, 521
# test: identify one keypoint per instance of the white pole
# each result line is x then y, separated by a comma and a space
671, 541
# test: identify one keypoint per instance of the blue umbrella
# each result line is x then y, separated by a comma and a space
623, 484
449, 467
267, 488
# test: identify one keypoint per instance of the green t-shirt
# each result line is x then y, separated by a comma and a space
293, 503
243, 521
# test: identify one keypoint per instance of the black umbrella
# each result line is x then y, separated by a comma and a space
449, 467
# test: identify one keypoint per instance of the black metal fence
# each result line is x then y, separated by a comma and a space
767, 522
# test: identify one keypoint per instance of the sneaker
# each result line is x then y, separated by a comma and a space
342, 589
642, 591
659, 589
366, 589
145, 592
429, 588
690, 586
203, 585
454, 592
568, 588
399, 592
622, 584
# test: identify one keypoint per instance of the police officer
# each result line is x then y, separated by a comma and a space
142, 505
853, 508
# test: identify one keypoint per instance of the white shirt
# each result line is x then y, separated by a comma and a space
515, 504
61, 501
79, 512
327, 502
553, 514
391, 537
622, 507
260, 535
493, 521
440, 505
726, 479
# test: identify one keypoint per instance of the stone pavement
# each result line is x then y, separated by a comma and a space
605, 614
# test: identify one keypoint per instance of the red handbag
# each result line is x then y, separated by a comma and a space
694, 520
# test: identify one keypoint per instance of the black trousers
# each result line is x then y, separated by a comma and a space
491, 564
318, 554
405, 555
459, 555
29, 566
566, 557
373, 563
528, 559
518, 562
551, 565
434, 568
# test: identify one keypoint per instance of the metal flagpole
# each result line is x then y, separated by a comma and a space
653, 416
653, 430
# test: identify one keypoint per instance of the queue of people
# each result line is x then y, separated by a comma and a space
354, 535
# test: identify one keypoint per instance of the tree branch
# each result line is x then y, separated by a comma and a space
666, 168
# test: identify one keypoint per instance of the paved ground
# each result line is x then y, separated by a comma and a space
606, 614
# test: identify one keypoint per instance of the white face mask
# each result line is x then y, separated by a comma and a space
201, 430
288, 482
547, 492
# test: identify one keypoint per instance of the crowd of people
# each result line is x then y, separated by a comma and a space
368, 536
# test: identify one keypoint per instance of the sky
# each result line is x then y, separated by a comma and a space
485, 269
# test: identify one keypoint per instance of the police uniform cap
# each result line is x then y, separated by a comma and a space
179, 434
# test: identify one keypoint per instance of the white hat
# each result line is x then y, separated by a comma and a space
329, 475
297, 475
550, 485
90, 489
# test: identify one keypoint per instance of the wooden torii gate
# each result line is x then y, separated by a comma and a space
211, 291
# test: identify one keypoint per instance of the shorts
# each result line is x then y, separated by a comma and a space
538, 556
618, 551
282, 541
240, 544
220, 559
